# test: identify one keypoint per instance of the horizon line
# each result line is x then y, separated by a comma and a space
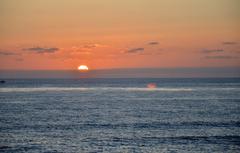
122, 68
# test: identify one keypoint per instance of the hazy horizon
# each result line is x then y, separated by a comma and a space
125, 73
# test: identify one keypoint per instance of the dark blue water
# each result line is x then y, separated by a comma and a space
120, 115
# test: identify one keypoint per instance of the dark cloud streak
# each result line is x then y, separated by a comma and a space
229, 43
153, 43
207, 51
221, 57
19, 59
8, 53
90, 46
41, 50
135, 50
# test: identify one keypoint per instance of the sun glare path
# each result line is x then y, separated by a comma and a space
151, 85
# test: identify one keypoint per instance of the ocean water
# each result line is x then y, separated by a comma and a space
120, 115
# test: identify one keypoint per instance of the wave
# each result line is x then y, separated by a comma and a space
147, 125
56, 89
42, 89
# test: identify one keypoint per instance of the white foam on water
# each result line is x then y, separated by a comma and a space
43, 89
158, 89
58, 89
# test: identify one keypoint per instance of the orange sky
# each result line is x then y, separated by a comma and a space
63, 34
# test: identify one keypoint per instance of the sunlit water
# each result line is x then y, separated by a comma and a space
120, 115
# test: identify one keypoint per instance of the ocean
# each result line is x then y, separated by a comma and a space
120, 115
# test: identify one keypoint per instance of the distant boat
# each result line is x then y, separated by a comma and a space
2, 81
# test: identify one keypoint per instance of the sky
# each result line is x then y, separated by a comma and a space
109, 34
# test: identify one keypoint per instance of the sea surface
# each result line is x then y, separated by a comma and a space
120, 115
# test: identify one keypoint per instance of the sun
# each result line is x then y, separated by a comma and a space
83, 68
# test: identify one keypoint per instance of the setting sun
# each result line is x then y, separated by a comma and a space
83, 68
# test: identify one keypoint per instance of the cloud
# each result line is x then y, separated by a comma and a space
8, 53
86, 47
135, 50
19, 59
153, 43
81, 53
212, 51
229, 43
221, 57
91, 46
41, 50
